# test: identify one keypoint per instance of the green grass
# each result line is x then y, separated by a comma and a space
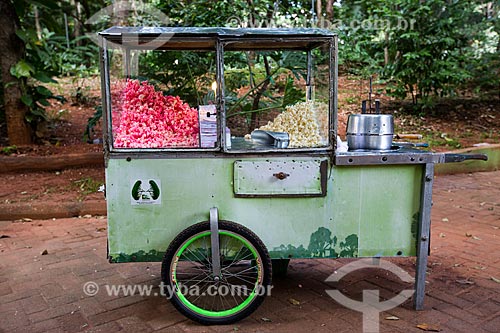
86, 186
441, 140
353, 100
8, 150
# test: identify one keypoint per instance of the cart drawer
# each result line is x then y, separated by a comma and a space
280, 177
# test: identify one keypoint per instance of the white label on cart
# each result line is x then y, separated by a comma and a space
145, 192
208, 125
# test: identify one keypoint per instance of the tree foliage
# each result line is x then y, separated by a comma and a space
47, 53
420, 49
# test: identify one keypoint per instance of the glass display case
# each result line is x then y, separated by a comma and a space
219, 89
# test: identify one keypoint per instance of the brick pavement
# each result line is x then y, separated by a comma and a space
43, 293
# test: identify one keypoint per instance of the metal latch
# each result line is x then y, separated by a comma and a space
281, 175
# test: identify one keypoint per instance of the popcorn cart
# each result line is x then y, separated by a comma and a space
222, 162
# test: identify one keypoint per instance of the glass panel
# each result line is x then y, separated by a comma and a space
272, 102
163, 99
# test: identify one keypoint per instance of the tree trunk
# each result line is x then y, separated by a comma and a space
11, 51
37, 23
319, 12
254, 120
270, 13
386, 49
329, 10
77, 22
251, 16
86, 9
50, 163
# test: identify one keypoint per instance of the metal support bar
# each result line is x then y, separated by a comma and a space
126, 61
106, 97
214, 238
220, 96
424, 227
309, 78
333, 80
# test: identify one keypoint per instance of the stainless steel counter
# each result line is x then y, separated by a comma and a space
397, 155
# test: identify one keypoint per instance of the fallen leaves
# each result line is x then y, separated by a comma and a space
293, 301
391, 318
469, 235
44, 252
495, 279
429, 327
4, 236
445, 219
465, 281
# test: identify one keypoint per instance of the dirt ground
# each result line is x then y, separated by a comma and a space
459, 123
79, 184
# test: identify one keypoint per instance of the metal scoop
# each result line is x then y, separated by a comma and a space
275, 139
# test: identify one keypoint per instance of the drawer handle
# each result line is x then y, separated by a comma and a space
281, 175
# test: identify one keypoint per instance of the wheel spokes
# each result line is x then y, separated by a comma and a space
239, 273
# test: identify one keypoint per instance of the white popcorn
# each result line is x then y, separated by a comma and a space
300, 121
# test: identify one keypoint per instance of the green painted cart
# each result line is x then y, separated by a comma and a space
217, 207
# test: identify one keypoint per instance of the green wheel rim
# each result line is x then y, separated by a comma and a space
210, 313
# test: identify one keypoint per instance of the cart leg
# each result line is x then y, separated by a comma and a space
214, 237
280, 267
423, 235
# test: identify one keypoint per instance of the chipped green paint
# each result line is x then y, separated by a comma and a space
414, 228
375, 205
321, 242
321, 245
414, 224
349, 247
290, 251
381, 203
139, 256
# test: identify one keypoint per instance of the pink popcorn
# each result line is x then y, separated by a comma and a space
148, 119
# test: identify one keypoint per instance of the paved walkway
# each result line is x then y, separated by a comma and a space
43, 293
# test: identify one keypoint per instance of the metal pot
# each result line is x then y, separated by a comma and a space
370, 142
370, 124
370, 131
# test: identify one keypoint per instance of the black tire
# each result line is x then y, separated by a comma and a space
186, 269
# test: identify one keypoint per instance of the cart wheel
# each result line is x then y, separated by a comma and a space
245, 273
